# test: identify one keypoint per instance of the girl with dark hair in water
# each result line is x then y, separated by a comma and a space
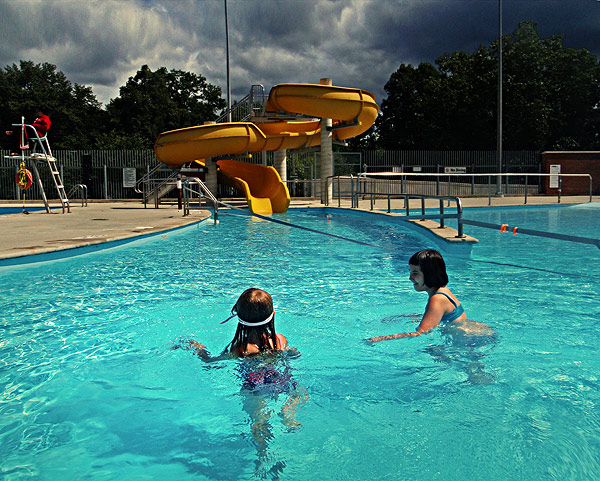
255, 332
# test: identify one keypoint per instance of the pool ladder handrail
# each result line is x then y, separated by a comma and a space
202, 192
83, 191
441, 216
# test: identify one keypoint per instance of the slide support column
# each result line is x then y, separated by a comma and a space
326, 155
210, 178
280, 162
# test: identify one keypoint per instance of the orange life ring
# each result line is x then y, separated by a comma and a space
24, 178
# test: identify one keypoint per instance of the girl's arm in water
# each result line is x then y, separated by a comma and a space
200, 350
392, 336
284, 346
282, 342
432, 317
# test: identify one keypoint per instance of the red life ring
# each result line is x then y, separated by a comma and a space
24, 178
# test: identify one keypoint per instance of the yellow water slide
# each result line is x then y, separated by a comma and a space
354, 108
353, 112
261, 185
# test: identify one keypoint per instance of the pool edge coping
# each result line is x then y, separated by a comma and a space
46, 254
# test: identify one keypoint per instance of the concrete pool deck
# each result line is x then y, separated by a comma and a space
100, 222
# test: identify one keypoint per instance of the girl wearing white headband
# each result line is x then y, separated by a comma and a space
256, 325
255, 331
255, 335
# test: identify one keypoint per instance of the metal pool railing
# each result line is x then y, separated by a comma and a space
461, 221
380, 184
82, 188
357, 192
399, 183
304, 187
441, 216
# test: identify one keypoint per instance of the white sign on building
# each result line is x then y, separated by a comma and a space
554, 169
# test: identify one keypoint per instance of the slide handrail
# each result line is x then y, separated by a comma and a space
247, 106
145, 178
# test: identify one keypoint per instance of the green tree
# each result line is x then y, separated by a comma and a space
76, 115
465, 103
527, 108
152, 102
575, 101
366, 141
552, 94
408, 116
551, 98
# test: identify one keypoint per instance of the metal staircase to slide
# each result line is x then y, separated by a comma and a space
252, 105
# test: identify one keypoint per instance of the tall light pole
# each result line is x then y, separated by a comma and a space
227, 49
499, 129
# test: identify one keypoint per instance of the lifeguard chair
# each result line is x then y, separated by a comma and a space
41, 153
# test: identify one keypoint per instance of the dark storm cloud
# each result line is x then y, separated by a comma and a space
359, 43
362, 43
436, 27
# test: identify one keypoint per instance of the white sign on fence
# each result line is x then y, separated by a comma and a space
455, 170
554, 169
129, 177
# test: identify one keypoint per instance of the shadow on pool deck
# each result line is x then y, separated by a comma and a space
100, 222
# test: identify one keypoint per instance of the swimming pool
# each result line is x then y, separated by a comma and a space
92, 389
17, 210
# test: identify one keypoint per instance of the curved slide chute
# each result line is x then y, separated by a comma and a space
355, 108
353, 111
261, 185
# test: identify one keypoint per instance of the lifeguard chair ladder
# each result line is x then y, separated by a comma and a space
43, 156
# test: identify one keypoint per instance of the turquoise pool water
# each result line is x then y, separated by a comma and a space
91, 388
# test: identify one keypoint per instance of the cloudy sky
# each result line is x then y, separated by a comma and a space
358, 43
